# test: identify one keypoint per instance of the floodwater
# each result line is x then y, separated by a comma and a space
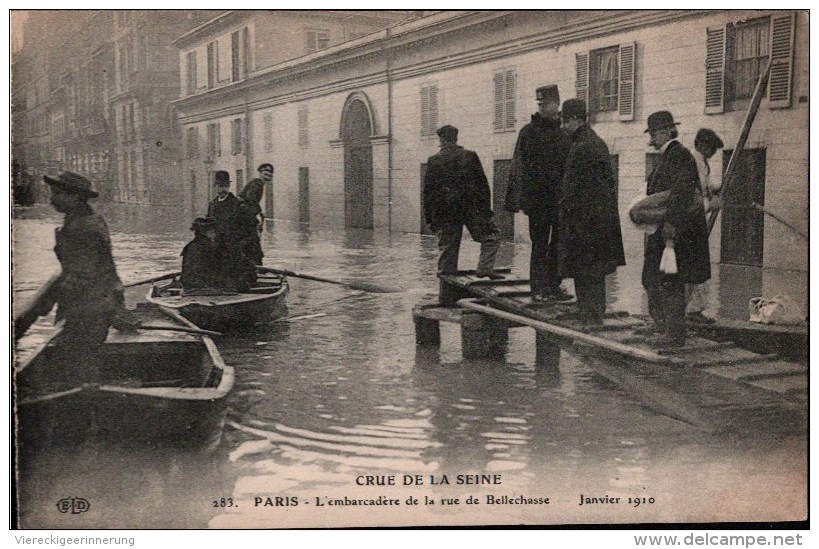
337, 396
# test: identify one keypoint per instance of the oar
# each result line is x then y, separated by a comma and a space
157, 278
365, 286
199, 331
30, 314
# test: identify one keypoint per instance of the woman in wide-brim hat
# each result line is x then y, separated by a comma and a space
72, 183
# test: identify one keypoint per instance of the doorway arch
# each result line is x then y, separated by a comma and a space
356, 129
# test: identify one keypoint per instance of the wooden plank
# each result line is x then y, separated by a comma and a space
783, 385
748, 371
502, 282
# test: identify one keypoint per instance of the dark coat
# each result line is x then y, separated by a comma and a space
88, 282
542, 148
252, 195
235, 232
455, 188
201, 264
677, 171
590, 241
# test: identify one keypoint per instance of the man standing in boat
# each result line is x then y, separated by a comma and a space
456, 193
683, 229
251, 195
590, 242
88, 292
234, 224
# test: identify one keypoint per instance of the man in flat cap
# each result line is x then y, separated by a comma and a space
251, 195
541, 151
88, 291
683, 228
456, 193
590, 242
706, 144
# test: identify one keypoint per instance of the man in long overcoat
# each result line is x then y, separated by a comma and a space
590, 241
684, 228
251, 195
235, 225
456, 193
541, 149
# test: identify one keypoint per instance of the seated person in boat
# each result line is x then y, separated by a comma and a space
234, 223
201, 267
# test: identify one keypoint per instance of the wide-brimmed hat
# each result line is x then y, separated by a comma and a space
660, 120
203, 224
450, 133
72, 183
221, 177
573, 108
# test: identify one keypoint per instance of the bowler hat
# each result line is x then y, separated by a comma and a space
548, 94
573, 108
265, 166
203, 224
73, 183
221, 177
660, 120
708, 137
449, 133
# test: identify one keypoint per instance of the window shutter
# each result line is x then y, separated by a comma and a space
498, 101
433, 109
581, 83
425, 110
628, 53
715, 70
218, 128
246, 51
509, 122
780, 82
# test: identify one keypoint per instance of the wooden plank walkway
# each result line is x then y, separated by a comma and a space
703, 383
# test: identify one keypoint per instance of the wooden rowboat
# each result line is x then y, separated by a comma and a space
157, 387
223, 311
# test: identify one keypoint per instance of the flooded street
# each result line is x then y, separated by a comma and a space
337, 395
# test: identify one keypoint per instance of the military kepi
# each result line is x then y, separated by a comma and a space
659, 121
548, 94
221, 177
449, 133
73, 183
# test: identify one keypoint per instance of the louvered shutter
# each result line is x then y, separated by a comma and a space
218, 139
628, 54
433, 109
498, 100
780, 82
581, 83
715, 70
509, 119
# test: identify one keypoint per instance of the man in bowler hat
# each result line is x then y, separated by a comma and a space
456, 194
88, 292
590, 242
541, 151
683, 227
235, 224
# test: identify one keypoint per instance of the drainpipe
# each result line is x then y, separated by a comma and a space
389, 138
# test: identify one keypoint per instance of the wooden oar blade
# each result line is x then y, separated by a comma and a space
356, 285
157, 278
371, 287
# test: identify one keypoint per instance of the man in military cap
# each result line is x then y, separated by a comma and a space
590, 241
251, 195
541, 151
88, 292
235, 224
683, 228
456, 193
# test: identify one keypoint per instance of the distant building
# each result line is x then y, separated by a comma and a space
349, 126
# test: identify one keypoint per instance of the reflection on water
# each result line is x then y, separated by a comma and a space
339, 391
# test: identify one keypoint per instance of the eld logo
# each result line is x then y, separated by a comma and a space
75, 506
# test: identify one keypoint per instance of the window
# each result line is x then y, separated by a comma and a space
131, 125
236, 136
304, 195
429, 109
214, 140
238, 54
192, 142
505, 85
191, 72
211, 64
317, 40
742, 234
605, 80
304, 137
240, 179
737, 55
268, 132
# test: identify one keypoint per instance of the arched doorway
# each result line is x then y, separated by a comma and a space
356, 130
